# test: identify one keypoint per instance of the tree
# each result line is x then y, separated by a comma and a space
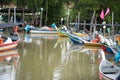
53, 10
85, 8
5, 2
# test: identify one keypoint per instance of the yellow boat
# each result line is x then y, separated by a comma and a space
81, 34
62, 33
92, 44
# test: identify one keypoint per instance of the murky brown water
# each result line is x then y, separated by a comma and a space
52, 58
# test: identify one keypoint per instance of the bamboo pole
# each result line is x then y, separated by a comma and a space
92, 19
94, 30
46, 14
84, 25
9, 15
78, 21
113, 26
14, 14
23, 14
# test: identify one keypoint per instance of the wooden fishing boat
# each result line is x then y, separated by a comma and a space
43, 35
80, 34
108, 70
107, 44
43, 30
9, 38
75, 39
86, 43
83, 40
92, 42
62, 33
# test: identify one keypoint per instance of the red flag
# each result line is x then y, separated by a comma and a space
107, 11
102, 14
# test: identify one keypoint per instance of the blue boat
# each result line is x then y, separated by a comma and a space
74, 38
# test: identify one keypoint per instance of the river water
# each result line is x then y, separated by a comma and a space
50, 57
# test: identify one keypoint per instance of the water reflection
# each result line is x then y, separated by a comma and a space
8, 64
77, 65
45, 36
56, 58
28, 38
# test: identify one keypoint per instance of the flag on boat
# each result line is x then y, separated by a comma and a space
102, 14
107, 11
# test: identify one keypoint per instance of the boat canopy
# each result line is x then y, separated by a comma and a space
7, 25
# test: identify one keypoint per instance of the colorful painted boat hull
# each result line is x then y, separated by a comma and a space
62, 33
9, 46
92, 44
74, 38
43, 32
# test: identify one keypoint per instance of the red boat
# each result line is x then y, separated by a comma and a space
9, 39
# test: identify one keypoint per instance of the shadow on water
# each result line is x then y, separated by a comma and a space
55, 58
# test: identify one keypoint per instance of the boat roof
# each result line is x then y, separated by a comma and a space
7, 25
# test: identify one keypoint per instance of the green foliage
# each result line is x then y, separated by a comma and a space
54, 10
85, 8
5, 2
21, 3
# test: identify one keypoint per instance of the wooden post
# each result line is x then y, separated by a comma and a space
84, 25
94, 29
14, 14
23, 16
92, 19
46, 14
78, 21
113, 26
41, 10
9, 15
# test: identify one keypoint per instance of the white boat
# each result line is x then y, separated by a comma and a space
43, 35
108, 70
43, 30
